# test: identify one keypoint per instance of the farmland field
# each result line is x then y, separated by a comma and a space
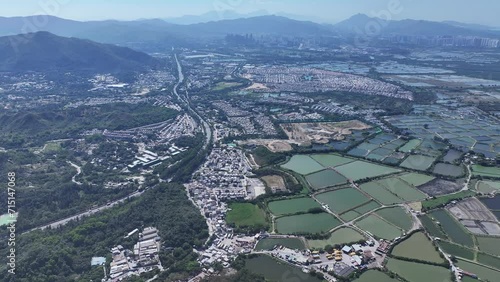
418, 162
439, 201
453, 229
274, 270
492, 203
302, 164
325, 178
402, 189
411, 145
269, 243
350, 215
418, 247
338, 237
416, 179
456, 250
306, 223
486, 171
381, 194
291, 206
367, 207
359, 169
245, 214
488, 186
448, 170
331, 160
342, 200
418, 272
379, 228
397, 216
493, 261
431, 227
375, 276
483, 272
490, 245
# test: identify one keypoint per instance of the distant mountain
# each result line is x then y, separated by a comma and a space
214, 16
43, 51
470, 26
360, 23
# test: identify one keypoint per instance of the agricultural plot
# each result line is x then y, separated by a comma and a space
478, 170
448, 170
367, 207
306, 223
379, 227
338, 237
452, 156
270, 243
325, 178
331, 160
431, 227
411, 145
418, 272
453, 229
350, 215
488, 187
397, 216
416, 179
246, 214
418, 247
490, 245
342, 200
493, 261
402, 189
492, 203
418, 162
471, 209
375, 276
379, 193
456, 250
291, 206
438, 187
274, 270
359, 170
484, 273
302, 164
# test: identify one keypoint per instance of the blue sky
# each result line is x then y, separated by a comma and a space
470, 11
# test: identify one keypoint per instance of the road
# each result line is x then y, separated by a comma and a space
78, 171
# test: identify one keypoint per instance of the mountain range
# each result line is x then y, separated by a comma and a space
43, 51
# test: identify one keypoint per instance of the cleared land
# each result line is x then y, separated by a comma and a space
375, 276
418, 162
379, 227
418, 247
275, 182
302, 164
397, 216
306, 223
438, 187
359, 170
245, 214
418, 272
291, 206
325, 178
338, 237
269, 243
342, 200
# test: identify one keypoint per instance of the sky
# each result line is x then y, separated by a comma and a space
468, 11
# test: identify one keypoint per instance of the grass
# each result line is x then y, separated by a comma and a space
225, 85
489, 245
245, 214
291, 206
342, 200
443, 200
375, 276
350, 215
269, 243
306, 223
338, 237
456, 250
453, 229
379, 227
418, 272
397, 216
478, 170
418, 247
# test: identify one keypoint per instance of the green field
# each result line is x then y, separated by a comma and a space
291, 206
453, 229
359, 170
488, 186
51, 147
411, 145
331, 160
342, 200
448, 170
302, 164
397, 216
402, 189
225, 85
245, 214
431, 227
367, 207
375, 276
439, 201
338, 237
306, 223
493, 261
482, 272
418, 272
350, 215
274, 270
418, 247
456, 250
269, 243
489, 245
379, 193
418, 162
478, 170
325, 178
379, 227
416, 179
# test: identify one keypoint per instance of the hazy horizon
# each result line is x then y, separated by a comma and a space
328, 11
